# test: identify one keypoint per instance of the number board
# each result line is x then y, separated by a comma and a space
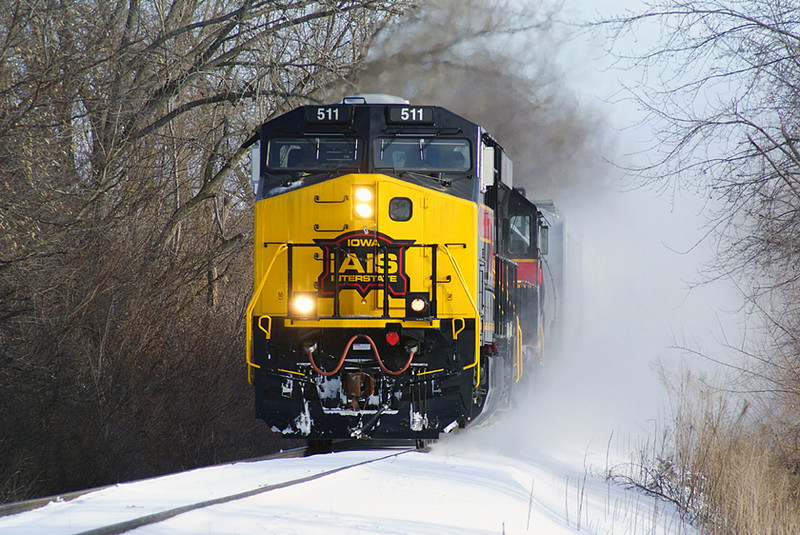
410, 115
329, 114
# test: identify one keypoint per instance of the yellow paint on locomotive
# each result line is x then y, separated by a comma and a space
329, 211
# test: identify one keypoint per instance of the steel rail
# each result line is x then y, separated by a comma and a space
154, 518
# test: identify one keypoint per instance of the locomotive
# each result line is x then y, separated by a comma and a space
398, 281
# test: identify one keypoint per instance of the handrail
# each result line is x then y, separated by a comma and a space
518, 350
456, 332
283, 247
476, 363
249, 316
540, 344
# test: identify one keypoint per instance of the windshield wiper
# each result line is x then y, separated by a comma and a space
385, 144
299, 174
436, 176
433, 175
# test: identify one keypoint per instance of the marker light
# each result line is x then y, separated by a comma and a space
303, 305
392, 337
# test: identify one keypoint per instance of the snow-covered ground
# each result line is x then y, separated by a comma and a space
453, 489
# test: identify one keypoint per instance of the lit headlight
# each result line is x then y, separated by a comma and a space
364, 207
364, 210
303, 305
364, 194
418, 305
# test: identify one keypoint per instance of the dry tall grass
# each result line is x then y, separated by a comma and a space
727, 469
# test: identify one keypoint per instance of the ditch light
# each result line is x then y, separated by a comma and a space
418, 306
303, 306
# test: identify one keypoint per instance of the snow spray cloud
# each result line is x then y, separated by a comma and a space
627, 306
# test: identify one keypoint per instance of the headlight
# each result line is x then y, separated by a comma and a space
364, 206
363, 194
303, 305
364, 210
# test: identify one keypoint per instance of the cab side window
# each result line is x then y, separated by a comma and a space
519, 234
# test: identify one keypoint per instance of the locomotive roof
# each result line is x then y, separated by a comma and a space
370, 119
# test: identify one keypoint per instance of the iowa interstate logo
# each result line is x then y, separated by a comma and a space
366, 262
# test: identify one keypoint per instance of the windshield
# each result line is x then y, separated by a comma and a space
423, 153
313, 153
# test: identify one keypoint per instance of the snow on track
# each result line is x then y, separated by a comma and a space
129, 501
443, 491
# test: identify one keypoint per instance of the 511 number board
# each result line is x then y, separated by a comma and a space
329, 114
410, 115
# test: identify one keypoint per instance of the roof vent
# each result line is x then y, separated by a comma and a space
373, 98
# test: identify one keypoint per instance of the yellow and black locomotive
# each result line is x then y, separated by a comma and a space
398, 277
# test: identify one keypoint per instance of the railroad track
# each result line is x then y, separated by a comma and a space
35, 503
159, 516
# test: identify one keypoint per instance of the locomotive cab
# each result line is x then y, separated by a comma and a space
388, 256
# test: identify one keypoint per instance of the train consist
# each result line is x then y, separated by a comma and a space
399, 283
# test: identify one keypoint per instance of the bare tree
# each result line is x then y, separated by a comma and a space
721, 90
722, 94
125, 217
